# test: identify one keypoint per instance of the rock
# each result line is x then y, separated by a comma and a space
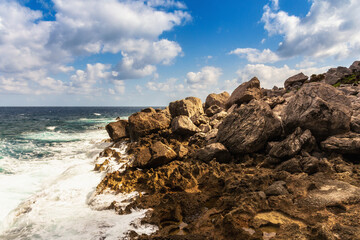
142, 157
245, 93
292, 145
310, 165
273, 101
219, 100
333, 75
144, 123
214, 150
355, 67
291, 166
348, 143
181, 151
200, 119
205, 128
183, 125
248, 128
321, 108
117, 130
212, 110
189, 106
295, 81
277, 188
232, 108
355, 124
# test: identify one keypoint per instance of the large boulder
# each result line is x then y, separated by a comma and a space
190, 106
183, 125
144, 123
117, 130
348, 143
319, 107
333, 75
295, 81
245, 93
217, 99
248, 128
355, 67
293, 144
214, 151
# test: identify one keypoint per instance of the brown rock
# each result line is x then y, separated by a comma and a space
245, 93
320, 108
181, 151
117, 130
183, 125
219, 100
348, 143
212, 110
189, 106
205, 128
248, 128
333, 75
142, 157
277, 188
295, 81
214, 150
355, 67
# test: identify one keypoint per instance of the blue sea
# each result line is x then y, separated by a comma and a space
47, 182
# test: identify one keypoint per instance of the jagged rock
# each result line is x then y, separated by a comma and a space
212, 110
248, 128
245, 93
348, 143
219, 100
181, 151
205, 128
355, 67
295, 81
142, 157
355, 124
277, 188
273, 101
292, 145
333, 75
214, 150
320, 108
117, 130
183, 125
189, 106
199, 119
144, 123
232, 108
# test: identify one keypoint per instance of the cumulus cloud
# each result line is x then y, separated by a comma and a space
270, 76
207, 76
256, 56
167, 86
82, 28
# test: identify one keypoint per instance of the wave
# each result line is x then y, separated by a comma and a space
51, 128
97, 114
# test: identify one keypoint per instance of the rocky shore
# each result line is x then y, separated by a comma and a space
279, 163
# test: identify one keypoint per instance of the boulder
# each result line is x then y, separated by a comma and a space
189, 106
273, 101
117, 130
348, 143
319, 107
292, 166
182, 125
355, 124
219, 100
248, 128
333, 75
277, 188
355, 67
292, 145
295, 81
212, 110
245, 93
214, 150
144, 123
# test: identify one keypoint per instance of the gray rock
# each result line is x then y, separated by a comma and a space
245, 93
295, 81
333, 75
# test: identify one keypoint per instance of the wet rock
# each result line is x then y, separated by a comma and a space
320, 108
277, 188
295, 81
117, 130
183, 125
333, 75
212, 110
248, 129
348, 143
292, 145
219, 100
245, 93
214, 150
144, 123
189, 106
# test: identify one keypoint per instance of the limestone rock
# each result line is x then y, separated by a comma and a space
348, 143
183, 125
117, 130
189, 106
248, 128
295, 81
320, 108
214, 150
245, 93
219, 100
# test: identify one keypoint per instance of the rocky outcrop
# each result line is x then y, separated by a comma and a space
183, 125
333, 75
348, 143
319, 107
355, 67
117, 130
248, 128
245, 93
214, 99
295, 81
190, 106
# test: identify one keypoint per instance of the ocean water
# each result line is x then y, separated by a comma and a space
47, 181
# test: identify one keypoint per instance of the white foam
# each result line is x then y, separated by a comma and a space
51, 128
97, 114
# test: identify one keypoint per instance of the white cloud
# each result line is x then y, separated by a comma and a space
166, 3
167, 86
270, 76
119, 86
208, 76
256, 56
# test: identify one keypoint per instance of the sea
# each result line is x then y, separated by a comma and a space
47, 177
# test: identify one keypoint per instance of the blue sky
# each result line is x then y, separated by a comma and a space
141, 53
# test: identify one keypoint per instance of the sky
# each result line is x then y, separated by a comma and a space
151, 52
